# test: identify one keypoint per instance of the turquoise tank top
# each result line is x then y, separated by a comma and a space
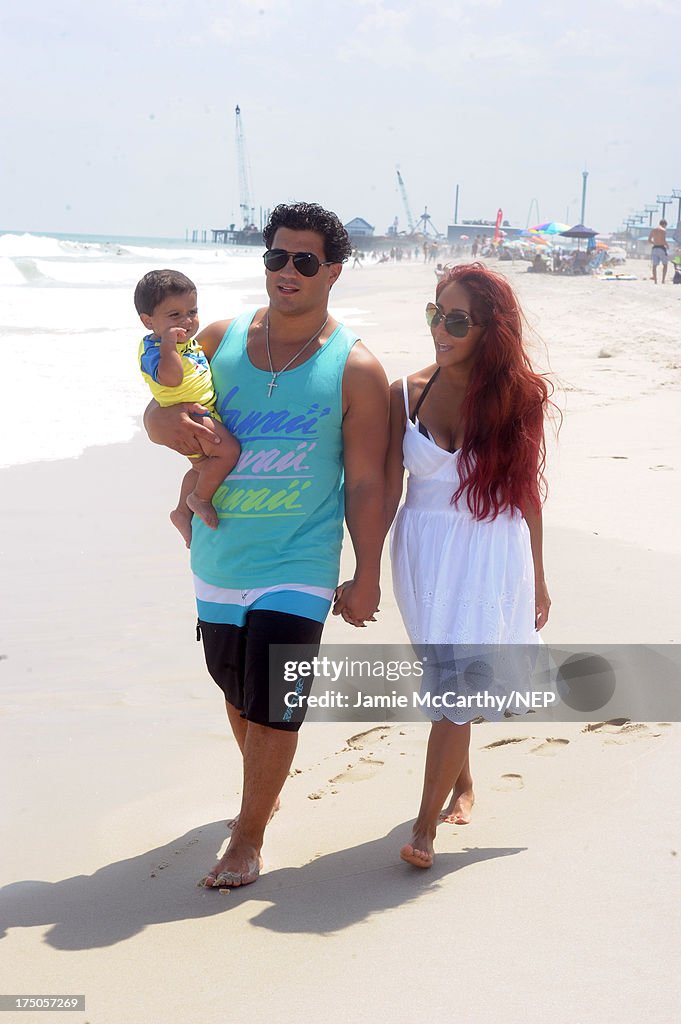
281, 509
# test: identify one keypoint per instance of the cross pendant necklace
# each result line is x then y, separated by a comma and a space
276, 373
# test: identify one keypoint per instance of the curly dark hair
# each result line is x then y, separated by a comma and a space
311, 217
157, 285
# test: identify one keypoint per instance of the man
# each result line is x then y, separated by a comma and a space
658, 239
309, 406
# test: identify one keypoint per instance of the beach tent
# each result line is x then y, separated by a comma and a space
579, 231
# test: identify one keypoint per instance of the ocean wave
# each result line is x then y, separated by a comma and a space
42, 262
9, 272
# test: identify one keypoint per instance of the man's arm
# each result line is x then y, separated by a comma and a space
365, 442
394, 466
173, 426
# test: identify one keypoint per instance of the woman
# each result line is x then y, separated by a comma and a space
466, 547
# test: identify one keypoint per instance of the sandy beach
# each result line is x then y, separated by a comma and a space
558, 902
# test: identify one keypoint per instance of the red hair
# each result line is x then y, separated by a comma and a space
503, 453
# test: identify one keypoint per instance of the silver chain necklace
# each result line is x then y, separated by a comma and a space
276, 373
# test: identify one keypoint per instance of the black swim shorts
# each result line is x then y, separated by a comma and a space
238, 659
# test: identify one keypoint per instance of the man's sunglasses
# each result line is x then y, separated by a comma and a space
306, 263
457, 323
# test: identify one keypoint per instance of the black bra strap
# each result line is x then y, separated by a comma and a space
425, 391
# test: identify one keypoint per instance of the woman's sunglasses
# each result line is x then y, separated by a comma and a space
306, 263
457, 323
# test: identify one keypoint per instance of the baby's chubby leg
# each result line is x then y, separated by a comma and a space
181, 517
220, 460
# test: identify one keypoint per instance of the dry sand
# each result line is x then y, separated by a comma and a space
559, 901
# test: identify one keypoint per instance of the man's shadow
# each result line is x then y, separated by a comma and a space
324, 896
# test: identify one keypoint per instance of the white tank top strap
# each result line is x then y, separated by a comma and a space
405, 392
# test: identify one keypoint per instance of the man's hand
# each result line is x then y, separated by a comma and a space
179, 427
357, 602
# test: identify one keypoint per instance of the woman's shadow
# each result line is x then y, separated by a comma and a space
324, 896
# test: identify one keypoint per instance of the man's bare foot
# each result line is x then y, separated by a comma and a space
419, 852
181, 518
240, 865
232, 823
204, 510
458, 810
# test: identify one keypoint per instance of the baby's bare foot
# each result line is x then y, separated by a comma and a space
181, 518
204, 510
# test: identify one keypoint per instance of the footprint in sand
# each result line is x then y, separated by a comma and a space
371, 736
365, 769
610, 726
622, 730
550, 747
504, 742
631, 732
508, 782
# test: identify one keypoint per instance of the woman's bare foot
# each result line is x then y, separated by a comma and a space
204, 510
458, 810
232, 823
420, 851
240, 865
181, 518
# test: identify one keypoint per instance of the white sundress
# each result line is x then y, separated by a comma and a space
458, 580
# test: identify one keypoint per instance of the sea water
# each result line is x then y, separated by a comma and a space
69, 332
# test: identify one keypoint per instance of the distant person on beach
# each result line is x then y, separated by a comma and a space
356, 258
659, 254
309, 407
466, 546
538, 265
176, 370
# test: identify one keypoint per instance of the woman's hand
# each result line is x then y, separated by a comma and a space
179, 427
542, 603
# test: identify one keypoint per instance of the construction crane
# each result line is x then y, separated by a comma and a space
410, 219
244, 173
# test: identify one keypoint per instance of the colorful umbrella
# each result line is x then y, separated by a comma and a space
552, 227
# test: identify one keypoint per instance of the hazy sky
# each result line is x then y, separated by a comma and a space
118, 116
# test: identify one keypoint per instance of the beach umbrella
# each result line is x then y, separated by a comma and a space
551, 227
579, 231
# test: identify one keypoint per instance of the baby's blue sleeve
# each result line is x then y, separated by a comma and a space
149, 362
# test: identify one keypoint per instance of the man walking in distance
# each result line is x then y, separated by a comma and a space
309, 406
658, 239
